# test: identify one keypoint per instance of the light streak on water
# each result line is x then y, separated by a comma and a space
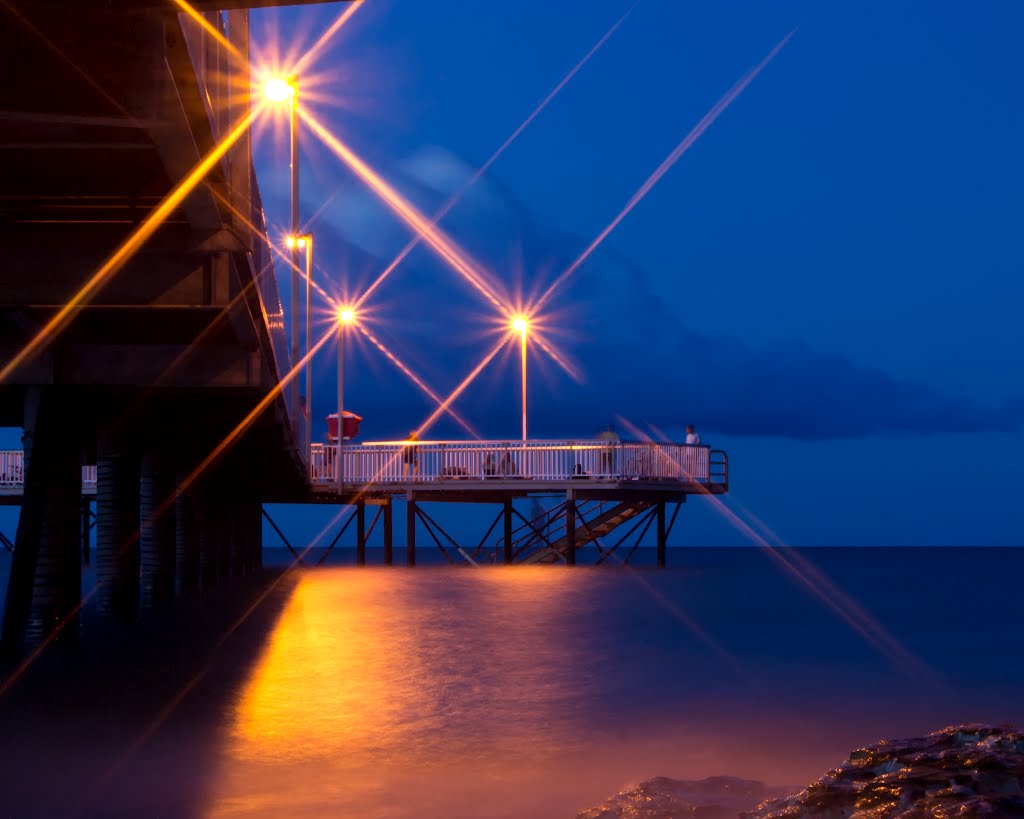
128, 248
695, 134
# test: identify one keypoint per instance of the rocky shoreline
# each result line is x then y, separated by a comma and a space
961, 772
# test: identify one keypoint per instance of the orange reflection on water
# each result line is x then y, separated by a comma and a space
376, 700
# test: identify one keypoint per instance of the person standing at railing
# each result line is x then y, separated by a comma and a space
608, 452
409, 458
692, 438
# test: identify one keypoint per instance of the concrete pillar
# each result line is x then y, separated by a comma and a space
237, 541
508, 530
360, 533
249, 529
57, 495
388, 533
26, 539
410, 531
117, 527
210, 514
86, 531
226, 539
662, 538
186, 541
570, 529
157, 545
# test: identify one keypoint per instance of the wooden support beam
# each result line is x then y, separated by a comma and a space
508, 530
360, 534
388, 533
570, 528
410, 531
662, 534
86, 527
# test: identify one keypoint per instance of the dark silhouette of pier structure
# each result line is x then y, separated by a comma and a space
154, 396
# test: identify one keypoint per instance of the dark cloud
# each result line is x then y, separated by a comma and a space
640, 358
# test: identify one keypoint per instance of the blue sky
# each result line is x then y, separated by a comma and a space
828, 283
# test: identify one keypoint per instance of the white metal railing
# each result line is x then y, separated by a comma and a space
12, 471
431, 461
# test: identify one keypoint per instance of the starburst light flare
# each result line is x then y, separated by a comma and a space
680, 149
455, 197
442, 244
313, 53
419, 382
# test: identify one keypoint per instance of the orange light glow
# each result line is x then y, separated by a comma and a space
263, 237
519, 324
277, 89
346, 315
197, 17
130, 246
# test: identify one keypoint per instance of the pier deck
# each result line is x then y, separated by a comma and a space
479, 471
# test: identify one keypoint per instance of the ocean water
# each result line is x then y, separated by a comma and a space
513, 691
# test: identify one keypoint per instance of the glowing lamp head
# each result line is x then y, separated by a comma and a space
277, 89
519, 324
346, 315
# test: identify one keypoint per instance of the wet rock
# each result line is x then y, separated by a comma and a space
717, 797
961, 772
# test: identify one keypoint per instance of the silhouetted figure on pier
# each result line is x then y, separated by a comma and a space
410, 459
608, 453
692, 437
508, 465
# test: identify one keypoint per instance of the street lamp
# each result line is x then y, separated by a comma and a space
521, 325
306, 242
346, 315
279, 90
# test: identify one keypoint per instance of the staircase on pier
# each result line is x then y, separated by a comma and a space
543, 539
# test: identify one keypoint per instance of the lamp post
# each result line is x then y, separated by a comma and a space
345, 317
281, 90
306, 242
522, 325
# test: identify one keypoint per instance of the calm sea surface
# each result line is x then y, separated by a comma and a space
524, 691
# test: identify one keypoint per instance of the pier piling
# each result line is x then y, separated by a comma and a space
157, 530
117, 527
